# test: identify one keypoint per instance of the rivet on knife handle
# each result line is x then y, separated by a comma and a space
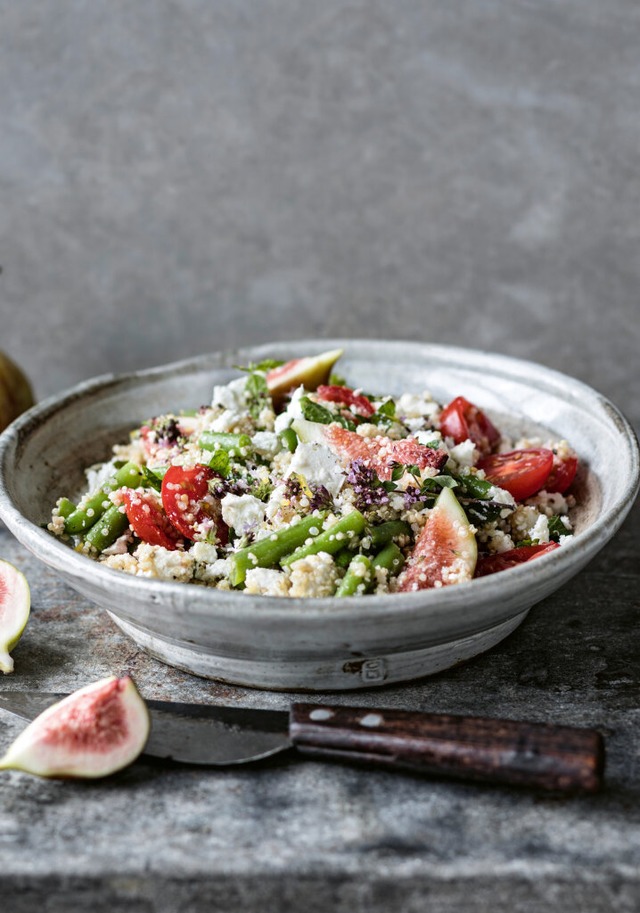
539, 755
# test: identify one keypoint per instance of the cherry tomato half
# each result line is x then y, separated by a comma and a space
562, 474
521, 472
491, 564
183, 496
332, 393
148, 520
461, 420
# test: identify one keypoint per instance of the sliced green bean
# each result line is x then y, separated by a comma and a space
386, 532
289, 439
267, 552
332, 540
105, 532
390, 558
358, 578
222, 440
65, 507
343, 558
83, 518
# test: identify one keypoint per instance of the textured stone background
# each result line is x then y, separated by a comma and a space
183, 176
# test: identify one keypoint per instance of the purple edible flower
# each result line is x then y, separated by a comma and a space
321, 499
366, 485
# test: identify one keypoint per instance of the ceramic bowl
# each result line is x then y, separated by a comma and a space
318, 644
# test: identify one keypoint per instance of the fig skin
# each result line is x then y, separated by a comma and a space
445, 551
92, 733
15, 605
16, 394
310, 372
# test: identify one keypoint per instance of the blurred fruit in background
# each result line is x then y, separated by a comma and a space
16, 394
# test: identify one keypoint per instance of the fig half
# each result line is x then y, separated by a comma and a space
15, 604
310, 371
93, 732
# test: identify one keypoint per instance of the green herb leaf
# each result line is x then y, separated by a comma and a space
258, 396
266, 365
314, 412
220, 462
557, 529
151, 479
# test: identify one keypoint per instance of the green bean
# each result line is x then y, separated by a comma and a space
332, 540
222, 440
386, 532
65, 507
358, 578
289, 439
268, 551
84, 517
343, 558
105, 532
390, 558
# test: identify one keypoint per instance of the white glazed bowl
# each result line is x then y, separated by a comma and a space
318, 644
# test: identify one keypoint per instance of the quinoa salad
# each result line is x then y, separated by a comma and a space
294, 482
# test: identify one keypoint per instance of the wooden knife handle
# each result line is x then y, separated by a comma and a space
557, 758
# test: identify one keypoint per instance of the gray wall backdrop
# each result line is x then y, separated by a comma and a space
183, 176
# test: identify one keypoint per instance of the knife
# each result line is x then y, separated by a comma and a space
563, 759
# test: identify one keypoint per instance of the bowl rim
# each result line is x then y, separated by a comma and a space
435, 602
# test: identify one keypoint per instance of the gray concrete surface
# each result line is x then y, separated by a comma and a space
183, 176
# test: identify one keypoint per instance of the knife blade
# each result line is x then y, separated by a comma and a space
563, 759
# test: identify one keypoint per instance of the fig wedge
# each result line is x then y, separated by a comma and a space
15, 604
92, 733
445, 551
310, 371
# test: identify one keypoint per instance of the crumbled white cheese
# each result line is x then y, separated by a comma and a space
231, 396
412, 405
465, 453
501, 496
293, 410
226, 421
540, 530
266, 582
167, 564
204, 552
319, 465
212, 573
266, 443
242, 512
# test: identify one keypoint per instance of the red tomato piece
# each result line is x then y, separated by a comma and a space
491, 564
562, 474
332, 393
461, 420
148, 520
521, 472
185, 497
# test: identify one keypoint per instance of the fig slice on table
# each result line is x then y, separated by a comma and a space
93, 732
15, 603
310, 372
